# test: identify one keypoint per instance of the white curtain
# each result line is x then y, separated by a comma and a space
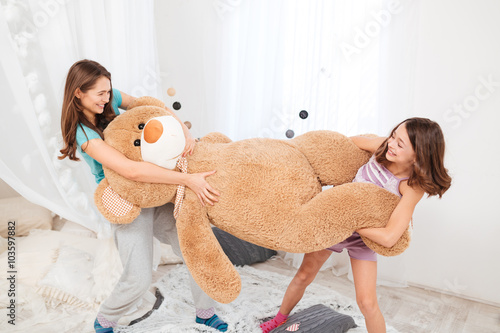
255, 65
40, 40
348, 64
339, 60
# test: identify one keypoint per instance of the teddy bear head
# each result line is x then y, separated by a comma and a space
138, 136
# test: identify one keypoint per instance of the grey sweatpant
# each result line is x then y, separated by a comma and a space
135, 246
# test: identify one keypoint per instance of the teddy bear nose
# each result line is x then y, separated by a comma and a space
153, 131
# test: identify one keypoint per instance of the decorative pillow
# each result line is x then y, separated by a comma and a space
37, 253
76, 229
239, 251
27, 216
317, 319
70, 279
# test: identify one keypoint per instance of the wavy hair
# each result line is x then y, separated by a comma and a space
427, 140
82, 75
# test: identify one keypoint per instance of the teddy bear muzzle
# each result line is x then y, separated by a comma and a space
162, 141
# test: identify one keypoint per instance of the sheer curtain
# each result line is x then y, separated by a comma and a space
348, 64
258, 64
271, 60
40, 40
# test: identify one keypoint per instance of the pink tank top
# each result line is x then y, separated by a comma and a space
375, 173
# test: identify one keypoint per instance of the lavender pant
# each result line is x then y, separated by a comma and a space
356, 248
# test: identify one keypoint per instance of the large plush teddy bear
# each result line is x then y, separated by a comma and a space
271, 192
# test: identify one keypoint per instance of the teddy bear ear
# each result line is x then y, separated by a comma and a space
215, 137
146, 100
112, 206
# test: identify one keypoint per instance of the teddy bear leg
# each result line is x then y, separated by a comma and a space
203, 255
334, 214
333, 156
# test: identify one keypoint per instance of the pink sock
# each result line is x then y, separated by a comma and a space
273, 323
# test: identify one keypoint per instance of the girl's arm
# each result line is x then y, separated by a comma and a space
148, 172
126, 100
367, 143
399, 220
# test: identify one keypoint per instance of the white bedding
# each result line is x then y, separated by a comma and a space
63, 277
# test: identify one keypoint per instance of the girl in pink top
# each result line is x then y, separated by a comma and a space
408, 163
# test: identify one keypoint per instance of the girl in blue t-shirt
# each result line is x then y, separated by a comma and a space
90, 104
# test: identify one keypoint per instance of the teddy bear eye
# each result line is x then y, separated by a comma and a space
141, 126
137, 143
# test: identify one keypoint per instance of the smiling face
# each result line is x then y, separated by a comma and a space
94, 99
399, 148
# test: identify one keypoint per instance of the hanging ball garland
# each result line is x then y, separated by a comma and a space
303, 115
176, 105
171, 91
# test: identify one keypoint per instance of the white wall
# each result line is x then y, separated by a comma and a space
454, 247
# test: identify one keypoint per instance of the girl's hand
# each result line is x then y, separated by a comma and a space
199, 185
188, 149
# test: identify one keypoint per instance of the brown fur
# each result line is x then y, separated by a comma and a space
270, 196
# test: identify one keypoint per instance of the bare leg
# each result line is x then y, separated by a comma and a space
305, 275
365, 280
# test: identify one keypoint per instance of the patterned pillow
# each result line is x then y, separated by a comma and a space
317, 319
239, 251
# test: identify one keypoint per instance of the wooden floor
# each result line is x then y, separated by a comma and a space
412, 309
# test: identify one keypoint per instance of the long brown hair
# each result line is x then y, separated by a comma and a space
427, 140
82, 75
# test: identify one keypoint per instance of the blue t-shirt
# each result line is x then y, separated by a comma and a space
81, 138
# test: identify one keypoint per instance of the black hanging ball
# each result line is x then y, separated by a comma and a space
290, 134
176, 105
303, 114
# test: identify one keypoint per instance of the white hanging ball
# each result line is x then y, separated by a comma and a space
45, 120
21, 45
66, 179
11, 12
32, 81
40, 103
